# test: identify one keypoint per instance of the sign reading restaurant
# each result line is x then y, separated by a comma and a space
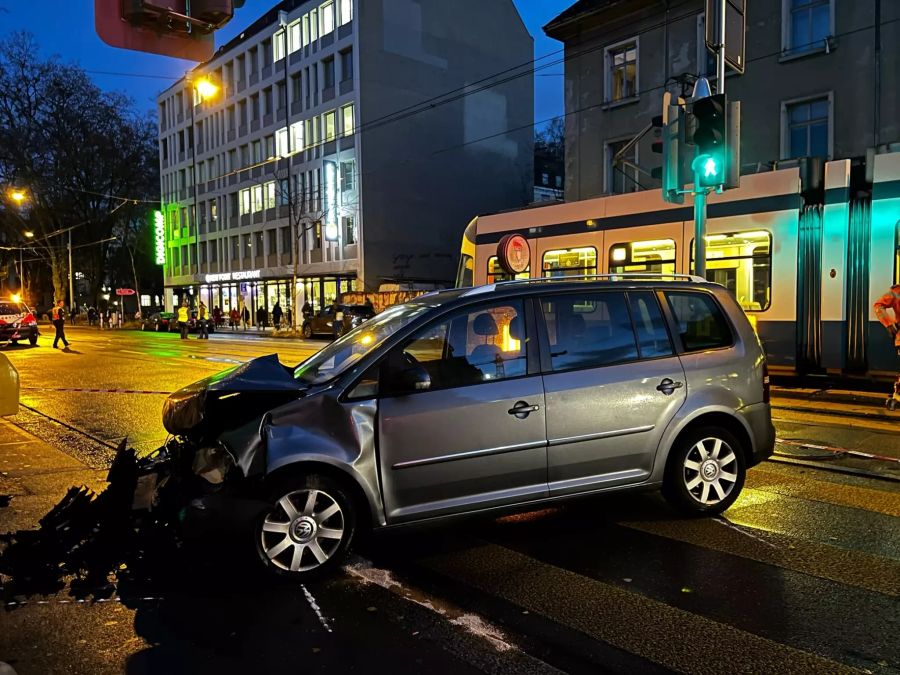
233, 276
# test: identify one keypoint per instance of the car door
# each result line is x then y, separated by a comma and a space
612, 384
467, 431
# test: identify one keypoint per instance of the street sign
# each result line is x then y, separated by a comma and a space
735, 30
124, 291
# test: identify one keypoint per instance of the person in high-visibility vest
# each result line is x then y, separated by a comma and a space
183, 318
58, 316
202, 318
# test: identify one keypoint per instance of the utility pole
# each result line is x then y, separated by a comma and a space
71, 277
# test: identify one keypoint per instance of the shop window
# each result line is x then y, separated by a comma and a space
742, 263
570, 262
655, 256
496, 273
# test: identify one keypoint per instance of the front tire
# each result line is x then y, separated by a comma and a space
705, 472
308, 527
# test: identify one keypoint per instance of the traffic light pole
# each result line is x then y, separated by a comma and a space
699, 224
720, 54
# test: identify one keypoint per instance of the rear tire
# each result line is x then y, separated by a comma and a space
307, 528
705, 471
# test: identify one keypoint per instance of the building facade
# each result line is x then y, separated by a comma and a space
819, 82
343, 144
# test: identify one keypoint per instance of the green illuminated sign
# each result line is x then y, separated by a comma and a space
159, 236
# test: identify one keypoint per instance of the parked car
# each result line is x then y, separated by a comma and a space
17, 322
476, 400
322, 322
158, 321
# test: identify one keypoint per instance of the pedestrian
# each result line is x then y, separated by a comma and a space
245, 317
306, 311
183, 318
235, 318
58, 317
368, 304
202, 319
276, 315
92, 316
290, 318
262, 318
218, 318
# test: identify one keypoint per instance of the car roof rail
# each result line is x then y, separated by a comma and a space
624, 276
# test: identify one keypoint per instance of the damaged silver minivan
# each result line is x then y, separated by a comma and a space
505, 396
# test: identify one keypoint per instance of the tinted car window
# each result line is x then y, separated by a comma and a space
587, 330
653, 338
472, 346
700, 321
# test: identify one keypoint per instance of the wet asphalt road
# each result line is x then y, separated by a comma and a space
801, 575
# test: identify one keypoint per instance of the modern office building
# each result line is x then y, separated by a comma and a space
343, 143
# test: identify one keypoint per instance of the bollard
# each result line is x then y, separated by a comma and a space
9, 387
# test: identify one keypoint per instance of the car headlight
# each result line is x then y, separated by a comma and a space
212, 464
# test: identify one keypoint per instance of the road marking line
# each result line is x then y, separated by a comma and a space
837, 450
742, 530
98, 391
472, 623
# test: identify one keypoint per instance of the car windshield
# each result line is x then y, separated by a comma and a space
9, 308
347, 350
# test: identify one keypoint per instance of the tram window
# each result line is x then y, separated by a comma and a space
570, 262
465, 274
742, 263
496, 273
654, 256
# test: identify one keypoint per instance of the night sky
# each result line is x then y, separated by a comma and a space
66, 28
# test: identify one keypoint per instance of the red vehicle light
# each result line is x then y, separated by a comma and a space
29, 320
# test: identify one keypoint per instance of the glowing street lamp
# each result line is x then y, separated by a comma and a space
205, 88
18, 196
28, 234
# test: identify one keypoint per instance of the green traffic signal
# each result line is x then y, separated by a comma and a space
709, 170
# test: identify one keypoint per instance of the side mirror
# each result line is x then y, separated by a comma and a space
413, 378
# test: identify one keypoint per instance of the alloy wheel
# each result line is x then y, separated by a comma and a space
302, 531
710, 471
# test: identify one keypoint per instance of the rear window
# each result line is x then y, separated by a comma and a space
700, 321
7, 308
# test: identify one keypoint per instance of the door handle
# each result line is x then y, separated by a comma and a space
521, 409
668, 387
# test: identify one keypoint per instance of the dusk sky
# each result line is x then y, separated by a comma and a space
66, 28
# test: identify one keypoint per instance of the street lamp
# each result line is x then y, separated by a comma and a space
18, 196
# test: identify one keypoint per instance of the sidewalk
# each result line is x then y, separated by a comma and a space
34, 476
834, 402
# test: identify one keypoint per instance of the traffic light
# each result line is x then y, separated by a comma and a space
669, 145
180, 28
710, 127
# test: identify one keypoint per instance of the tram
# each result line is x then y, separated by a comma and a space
805, 250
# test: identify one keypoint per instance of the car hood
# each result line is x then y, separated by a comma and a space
227, 399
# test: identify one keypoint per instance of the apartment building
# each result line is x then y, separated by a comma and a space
345, 144
820, 82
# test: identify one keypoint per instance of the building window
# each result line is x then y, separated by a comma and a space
278, 46
270, 147
281, 142
326, 10
297, 137
305, 30
348, 168
286, 240
570, 262
317, 235
347, 119
622, 71
313, 25
246, 247
272, 237
806, 130
258, 243
328, 121
328, 72
349, 230
807, 25
269, 194
283, 194
233, 205
346, 65
214, 251
245, 201
235, 249
257, 194
346, 11
621, 174
294, 37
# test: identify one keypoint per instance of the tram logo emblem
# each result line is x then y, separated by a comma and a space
513, 253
